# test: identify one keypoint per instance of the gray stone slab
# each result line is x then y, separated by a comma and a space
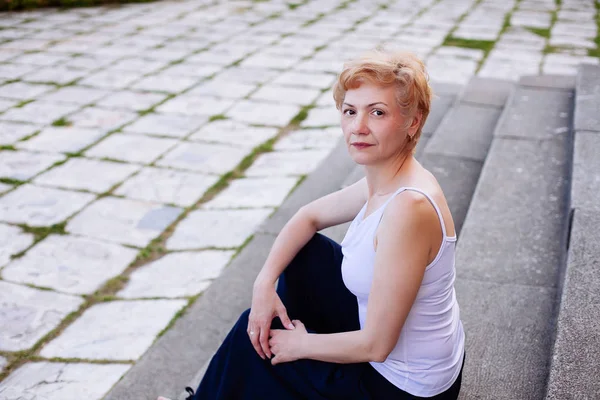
487, 91
439, 108
173, 125
207, 158
101, 118
259, 113
234, 133
587, 101
466, 131
12, 241
521, 243
585, 184
23, 91
76, 95
64, 139
174, 360
131, 100
253, 193
131, 148
221, 228
28, 314
196, 105
286, 163
116, 330
166, 186
124, 221
85, 174
537, 114
180, 274
303, 139
23, 165
548, 81
458, 178
36, 206
70, 264
573, 373
11, 132
61, 381
39, 112
508, 338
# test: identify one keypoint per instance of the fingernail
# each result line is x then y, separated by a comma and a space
291, 326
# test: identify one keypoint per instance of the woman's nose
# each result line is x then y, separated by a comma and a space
360, 124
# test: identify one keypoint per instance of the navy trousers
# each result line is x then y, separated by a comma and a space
312, 290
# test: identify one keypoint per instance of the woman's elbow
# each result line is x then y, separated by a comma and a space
377, 350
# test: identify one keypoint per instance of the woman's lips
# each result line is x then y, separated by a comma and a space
361, 145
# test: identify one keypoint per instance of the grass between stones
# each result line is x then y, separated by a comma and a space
596, 52
543, 32
485, 45
61, 122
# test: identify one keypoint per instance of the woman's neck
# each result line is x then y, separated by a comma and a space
384, 179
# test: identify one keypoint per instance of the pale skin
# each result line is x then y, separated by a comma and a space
408, 238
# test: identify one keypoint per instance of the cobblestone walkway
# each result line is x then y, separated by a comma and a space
142, 145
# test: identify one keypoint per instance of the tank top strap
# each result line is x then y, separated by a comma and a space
433, 203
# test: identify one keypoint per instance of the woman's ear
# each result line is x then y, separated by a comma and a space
415, 123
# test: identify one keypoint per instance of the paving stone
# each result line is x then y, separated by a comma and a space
316, 66
177, 274
322, 116
293, 78
70, 264
253, 193
257, 113
117, 330
61, 140
5, 104
234, 133
220, 228
198, 71
283, 163
12, 132
460, 52
4, 187
507, 70
131, 148
76, 95
36, 206
571, 41
23, 165
167, 186
196, 105
303, 139
89, 62
221, 88
39, 112
570, 60
219, 56
208, 158
41, 59
23, 91
59, 381
56, 74
101, 118
165, 83
532, 19
173, 125
248, 75
139, 65
286, 95
130, 100
28, 314
109, 79
123, 221
12, 241
14, 71
84, 174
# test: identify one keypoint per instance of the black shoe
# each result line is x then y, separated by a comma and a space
190, 392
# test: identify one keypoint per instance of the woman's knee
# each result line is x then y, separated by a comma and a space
317, 250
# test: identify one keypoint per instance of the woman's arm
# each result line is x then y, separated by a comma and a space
403, 248
333, 209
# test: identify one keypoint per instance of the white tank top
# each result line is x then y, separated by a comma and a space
428, 355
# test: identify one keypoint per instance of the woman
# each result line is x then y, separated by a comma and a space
374, 318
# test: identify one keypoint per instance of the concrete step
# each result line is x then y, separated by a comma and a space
513, 244
455, 154
576, 354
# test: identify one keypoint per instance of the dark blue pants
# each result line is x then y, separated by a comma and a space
312, 290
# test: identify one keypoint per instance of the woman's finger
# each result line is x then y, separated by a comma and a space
253, 333
264, 340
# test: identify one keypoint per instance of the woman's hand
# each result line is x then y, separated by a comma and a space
286, 345
266, 305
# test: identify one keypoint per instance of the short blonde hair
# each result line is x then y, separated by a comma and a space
383, 67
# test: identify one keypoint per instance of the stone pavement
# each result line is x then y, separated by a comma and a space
143, 145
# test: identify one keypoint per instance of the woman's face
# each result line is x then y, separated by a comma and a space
373, 125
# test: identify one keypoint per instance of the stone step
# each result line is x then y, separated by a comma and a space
455, 154
513, 244
576, 355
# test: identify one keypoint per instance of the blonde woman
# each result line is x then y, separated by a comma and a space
375, 317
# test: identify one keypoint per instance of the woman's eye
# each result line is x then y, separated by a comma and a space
349, 112
379, 113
